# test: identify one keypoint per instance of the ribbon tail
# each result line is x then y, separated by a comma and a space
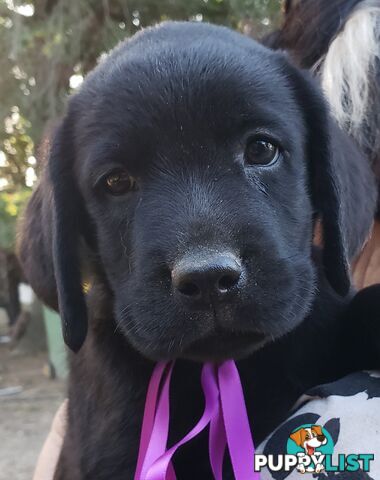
149, 414
155, 435
236, 422
217, 443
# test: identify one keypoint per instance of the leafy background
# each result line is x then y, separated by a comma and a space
49, 45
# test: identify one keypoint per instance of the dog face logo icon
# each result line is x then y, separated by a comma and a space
310, 439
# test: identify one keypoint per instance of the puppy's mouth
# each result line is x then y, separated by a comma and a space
224, 341
310, 450
224, 345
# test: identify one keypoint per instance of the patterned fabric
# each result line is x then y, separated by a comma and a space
349, 409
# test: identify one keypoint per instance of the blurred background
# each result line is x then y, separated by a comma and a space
47, 47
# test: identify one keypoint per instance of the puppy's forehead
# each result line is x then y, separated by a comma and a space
210, 85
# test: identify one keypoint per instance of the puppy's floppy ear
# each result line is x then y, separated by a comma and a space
55, 216
323, 182
317, 429
297, 437
68, 221
341, 183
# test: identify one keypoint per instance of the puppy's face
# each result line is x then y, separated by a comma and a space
309, 438
194, 173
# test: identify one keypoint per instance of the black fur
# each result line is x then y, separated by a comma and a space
175, 106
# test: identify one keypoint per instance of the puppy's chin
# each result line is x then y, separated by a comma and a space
224, 346
215, 347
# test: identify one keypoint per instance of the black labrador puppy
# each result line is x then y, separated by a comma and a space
183, 187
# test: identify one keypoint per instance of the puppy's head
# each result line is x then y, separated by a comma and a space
309, 438
192, 163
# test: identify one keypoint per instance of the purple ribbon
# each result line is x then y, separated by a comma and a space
225, 412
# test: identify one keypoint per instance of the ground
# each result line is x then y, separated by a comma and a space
26, 412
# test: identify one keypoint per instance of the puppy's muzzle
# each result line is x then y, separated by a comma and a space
205, 277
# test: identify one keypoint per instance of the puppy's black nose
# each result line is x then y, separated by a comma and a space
202, 276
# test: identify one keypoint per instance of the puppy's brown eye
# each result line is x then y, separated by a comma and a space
261, 152
119, 182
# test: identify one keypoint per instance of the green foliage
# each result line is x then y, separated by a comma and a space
17, 171
11, 204
16, 153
